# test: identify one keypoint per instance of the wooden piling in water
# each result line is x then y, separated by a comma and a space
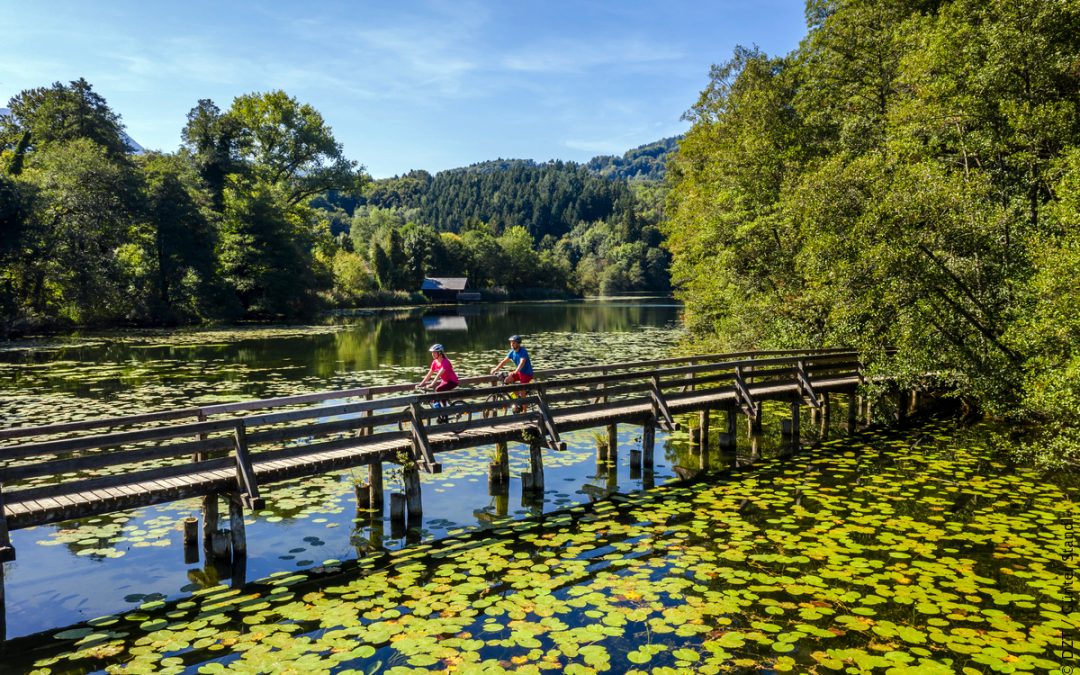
795, 426
411, 477
375, 484
363, 496
703, 431
648, 441
210, 524
852, 413
728, 440
826, 415
397, 511
237, 531
613, 444
536, 465
499, 471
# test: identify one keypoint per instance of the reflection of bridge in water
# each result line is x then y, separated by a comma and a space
73, 470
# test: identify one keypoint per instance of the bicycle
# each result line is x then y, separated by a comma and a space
454, 410
507, 399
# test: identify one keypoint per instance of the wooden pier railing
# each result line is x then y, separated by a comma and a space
73, 470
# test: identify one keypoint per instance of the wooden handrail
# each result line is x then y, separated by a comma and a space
222, 408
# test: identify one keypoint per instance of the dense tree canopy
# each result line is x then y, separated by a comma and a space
902, 178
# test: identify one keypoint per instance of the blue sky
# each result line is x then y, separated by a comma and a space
427, 85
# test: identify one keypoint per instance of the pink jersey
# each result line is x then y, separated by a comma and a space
447, 373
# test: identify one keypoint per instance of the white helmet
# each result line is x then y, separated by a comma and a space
436, 348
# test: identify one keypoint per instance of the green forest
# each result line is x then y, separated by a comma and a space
260, 216
908, 176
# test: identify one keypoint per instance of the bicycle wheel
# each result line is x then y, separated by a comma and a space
495, 412
457, 414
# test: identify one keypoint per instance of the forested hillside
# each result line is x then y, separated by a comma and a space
259, 215
514, 224
909, 176
645, 162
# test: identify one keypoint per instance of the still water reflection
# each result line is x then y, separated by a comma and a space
77, 570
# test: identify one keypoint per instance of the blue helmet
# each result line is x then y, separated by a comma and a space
515, 338
436, 348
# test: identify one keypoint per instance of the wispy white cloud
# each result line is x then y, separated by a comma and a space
568, 57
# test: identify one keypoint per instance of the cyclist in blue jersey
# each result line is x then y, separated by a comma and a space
523, 370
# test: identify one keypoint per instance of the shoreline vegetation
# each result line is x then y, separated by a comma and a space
259, 215
909, 176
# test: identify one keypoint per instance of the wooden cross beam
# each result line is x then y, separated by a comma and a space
245, 472
547, 423
805, 385
746, 401
421, 446
659, 406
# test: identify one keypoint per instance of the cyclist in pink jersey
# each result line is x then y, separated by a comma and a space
441, 371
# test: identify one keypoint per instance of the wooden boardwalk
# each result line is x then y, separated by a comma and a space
59, 472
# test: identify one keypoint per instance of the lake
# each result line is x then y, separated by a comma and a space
895, 551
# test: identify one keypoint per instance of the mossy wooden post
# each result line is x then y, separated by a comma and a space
901, 406
753, 422
648, 442
411, 477
363, 497
613, 444
375, 486
191, 540
237, 531
852, 413
499, 471
209, 525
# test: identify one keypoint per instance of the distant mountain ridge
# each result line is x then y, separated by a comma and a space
645, 162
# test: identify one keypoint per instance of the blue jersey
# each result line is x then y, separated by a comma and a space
517, 356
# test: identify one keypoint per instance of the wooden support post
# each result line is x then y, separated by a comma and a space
795, 430
421, 448
210, 524
397, 515
703, 431
901, 406
7, 551
411, 476
536, 466
237, 532
612, 444
367, 431
868, 414
601, 452
635, 461
728, 438
826, 414
375, 484
648, 441
913, 401
363, 496
199, 455
852, 413
499, 470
